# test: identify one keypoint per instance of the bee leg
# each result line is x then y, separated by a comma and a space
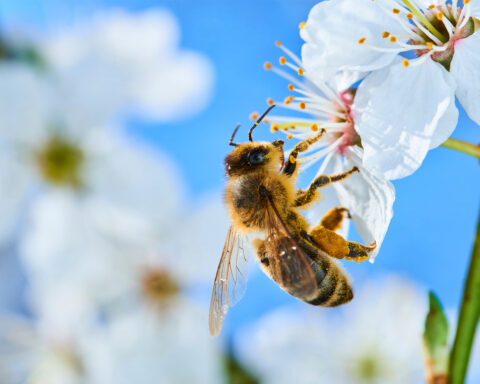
302, 146
333, 219
336, 246
262, 256
321, 181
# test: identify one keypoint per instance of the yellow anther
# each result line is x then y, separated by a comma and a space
254, 115
429, 44
270, 101
409, 15
291, 87
285, 129
289, 136
292, 159
282, 60
362, 40
466, 2
405, 63
385, 34
302, 105
431, 6
266, 121
288, 100
292, 127
267, 65
300, 72
278, 43
302, 24
439, 15
396, 11
274, 127
393, 39
314, 127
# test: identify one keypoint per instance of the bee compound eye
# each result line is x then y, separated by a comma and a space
256, 157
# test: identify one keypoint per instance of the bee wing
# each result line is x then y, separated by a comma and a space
290, 266
230, 280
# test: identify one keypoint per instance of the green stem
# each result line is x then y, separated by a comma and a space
462, 146
424, 20
467, 319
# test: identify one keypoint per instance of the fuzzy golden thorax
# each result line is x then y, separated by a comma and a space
254, 157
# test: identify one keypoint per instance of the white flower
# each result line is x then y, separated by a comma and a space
105, 250
154, 77
332, 106
147, 347
407, 106
375, 339
113, 276
27, 356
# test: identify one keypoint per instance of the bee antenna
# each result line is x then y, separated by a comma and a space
233, 135
259, 121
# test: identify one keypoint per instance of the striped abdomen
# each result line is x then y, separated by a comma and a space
333, 285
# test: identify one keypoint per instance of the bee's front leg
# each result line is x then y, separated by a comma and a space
302, 146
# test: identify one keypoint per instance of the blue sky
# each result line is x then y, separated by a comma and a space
436, 209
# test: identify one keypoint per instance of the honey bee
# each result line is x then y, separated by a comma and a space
261, 197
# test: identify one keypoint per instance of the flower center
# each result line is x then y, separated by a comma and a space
367, 369
430, 31
159, 286
60, 162
348, 136
328, 108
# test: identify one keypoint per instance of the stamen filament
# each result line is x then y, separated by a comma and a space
427, 32
424, 20
290, 54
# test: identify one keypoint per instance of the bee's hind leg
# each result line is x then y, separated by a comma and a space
333, 219
325, 237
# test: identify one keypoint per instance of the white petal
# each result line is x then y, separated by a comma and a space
167, 89
206, 229
15, 179
369, 198
25, 103
397, 125
332, 33
135, 177
465, 68
475, 8
148, 346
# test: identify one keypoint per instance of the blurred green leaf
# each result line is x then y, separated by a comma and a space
236, 374
435, 340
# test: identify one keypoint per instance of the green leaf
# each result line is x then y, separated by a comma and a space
435, 340
436, 325
236, 374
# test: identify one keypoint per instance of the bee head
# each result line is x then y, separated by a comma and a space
251, 157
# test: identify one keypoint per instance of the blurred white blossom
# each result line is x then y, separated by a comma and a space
375, 339
100, 248
173, 346
153, 77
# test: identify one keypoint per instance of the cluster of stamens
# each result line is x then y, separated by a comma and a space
328, 109
430, 31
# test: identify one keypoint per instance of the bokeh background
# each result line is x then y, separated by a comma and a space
430, 237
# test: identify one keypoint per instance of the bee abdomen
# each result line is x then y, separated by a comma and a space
333, 286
